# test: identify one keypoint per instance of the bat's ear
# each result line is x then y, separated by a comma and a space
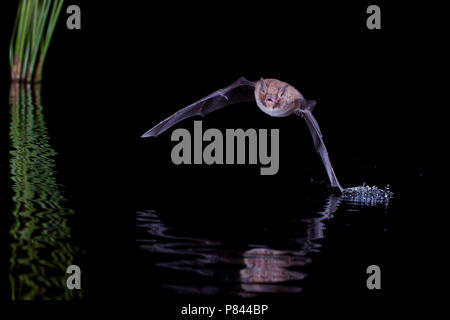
263, 85
282, 91
308, 104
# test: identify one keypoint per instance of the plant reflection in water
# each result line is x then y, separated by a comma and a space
40, 233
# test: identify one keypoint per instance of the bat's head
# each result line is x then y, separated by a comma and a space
275, 97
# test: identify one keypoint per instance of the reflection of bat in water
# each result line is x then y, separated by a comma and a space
274, 97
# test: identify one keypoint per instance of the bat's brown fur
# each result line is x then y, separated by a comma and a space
285, 98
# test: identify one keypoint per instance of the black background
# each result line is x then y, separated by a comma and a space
132, 65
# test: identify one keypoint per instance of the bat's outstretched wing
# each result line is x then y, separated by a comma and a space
241, 90
318, 143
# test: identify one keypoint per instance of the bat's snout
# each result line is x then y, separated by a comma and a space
270, 99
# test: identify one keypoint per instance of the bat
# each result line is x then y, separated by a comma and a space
274, 97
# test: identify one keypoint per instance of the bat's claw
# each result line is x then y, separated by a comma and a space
298, 113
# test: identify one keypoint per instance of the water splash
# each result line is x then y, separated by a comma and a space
367, 195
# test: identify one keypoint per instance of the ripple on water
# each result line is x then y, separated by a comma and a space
193, 265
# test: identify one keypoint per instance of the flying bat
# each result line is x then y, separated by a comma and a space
274, 97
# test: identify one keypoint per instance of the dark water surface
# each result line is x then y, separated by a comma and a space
255, 260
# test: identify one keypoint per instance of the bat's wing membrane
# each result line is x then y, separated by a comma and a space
241, 90
320, 146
